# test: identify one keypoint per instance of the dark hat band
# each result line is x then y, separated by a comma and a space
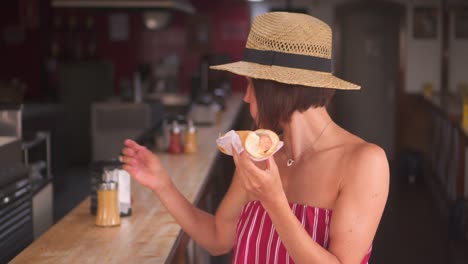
268, 57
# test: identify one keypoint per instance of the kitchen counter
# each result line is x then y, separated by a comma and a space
150, 234
7, 140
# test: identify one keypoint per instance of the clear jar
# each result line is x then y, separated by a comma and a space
108, 213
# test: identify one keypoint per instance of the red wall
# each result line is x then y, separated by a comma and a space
229, 27
22, 60
226, 18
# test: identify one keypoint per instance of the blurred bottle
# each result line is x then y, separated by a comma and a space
108, 205
137, 90
191, 145
465, 112
175, 141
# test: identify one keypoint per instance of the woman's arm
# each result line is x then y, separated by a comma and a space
360, 204
215, 233
356, 214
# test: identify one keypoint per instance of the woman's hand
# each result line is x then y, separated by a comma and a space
261, 180
144, 166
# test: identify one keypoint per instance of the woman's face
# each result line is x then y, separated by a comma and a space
250, 98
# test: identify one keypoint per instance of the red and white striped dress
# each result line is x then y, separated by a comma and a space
258, 242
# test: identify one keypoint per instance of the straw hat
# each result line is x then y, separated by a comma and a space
289, 48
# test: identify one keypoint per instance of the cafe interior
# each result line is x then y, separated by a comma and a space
78, 77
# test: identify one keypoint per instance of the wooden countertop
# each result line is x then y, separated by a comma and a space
149, 235
7, 140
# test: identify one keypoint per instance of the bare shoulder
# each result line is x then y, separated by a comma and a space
364, 152
366, 163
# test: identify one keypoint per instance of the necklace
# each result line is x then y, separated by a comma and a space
291, 161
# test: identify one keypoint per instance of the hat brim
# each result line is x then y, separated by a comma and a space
287, 75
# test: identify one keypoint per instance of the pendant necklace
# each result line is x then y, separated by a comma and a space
291, 161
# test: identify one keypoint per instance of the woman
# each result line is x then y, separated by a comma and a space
317, 200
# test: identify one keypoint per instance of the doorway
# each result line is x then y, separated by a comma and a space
368, 53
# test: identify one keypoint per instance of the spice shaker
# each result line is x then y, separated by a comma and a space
123, 180
191, 145
125, 196
108, 213
175, 141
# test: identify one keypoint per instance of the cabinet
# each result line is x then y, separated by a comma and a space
42, 210
37, 156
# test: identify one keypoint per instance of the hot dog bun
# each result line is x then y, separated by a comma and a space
260, 143
242, 134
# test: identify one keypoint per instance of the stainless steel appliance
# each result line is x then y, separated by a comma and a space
16, 218
37, 156
10, 120
10, 151
16, 221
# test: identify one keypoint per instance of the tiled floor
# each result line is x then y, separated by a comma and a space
412, 230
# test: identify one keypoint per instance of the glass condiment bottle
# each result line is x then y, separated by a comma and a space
465, 112
108, 213
191, 145
175, 144
216, 108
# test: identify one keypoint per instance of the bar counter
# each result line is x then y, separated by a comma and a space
150, 234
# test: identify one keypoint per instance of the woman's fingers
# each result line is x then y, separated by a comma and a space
133, 145
239, 157
128, 152
235, 155
243, 159
134, 150
271, 164
128, 160
129, 169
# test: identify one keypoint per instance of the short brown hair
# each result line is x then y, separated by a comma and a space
276, 102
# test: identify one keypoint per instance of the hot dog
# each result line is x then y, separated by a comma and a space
260, 143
